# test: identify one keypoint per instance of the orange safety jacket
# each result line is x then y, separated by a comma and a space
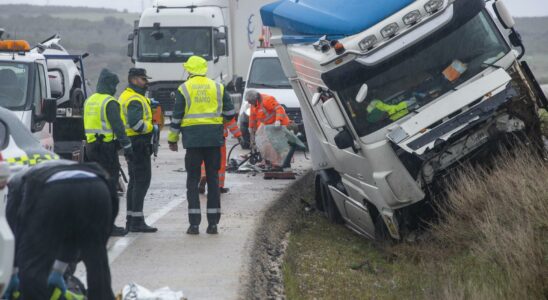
267, 112
232, 125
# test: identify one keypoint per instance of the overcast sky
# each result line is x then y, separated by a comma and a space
518, 8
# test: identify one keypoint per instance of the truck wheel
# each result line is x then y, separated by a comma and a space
77, 99
381, 231
318, 194
331, 211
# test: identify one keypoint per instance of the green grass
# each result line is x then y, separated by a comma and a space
491, 244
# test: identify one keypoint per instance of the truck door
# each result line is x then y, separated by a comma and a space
220, 55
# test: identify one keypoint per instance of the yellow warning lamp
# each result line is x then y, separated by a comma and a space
14, 45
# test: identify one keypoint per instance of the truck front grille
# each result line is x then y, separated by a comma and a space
164, 93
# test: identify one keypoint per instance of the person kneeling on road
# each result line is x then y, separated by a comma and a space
58, 211
264, 110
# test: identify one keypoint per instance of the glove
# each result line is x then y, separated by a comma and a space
277, 123
173, 147
56, 284
12, 291
128, 153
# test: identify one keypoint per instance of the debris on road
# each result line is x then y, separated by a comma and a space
134, 291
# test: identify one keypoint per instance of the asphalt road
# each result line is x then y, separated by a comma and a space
203, 266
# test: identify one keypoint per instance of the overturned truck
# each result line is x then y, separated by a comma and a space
394, 96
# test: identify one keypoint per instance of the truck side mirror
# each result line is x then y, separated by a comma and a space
130, 49
50, 110
503, 14
362, 94
239, 85
344, 139
4, 135
333, 114
220, 35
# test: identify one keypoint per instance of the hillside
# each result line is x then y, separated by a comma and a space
103, 33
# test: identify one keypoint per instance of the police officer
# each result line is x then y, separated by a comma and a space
200, 106
104, 129
60, 211
137, 114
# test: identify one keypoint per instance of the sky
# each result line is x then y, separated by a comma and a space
519, 8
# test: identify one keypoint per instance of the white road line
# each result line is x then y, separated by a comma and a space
123, 243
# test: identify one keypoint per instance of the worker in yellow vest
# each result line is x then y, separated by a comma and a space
201, 105
137, 115
105, 132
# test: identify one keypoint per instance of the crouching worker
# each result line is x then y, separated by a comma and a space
60, 212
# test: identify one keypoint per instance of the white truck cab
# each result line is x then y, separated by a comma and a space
267, 77
223, 32
399, 95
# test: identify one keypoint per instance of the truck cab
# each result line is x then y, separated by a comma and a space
398, 97
45, 90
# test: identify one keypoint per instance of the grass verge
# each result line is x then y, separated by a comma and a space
491, 244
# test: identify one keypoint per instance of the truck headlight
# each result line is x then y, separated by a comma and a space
368, 43
412, 18
390, 30
433, 6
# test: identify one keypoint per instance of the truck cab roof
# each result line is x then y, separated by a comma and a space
307, 20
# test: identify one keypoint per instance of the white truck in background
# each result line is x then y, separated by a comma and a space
399, 95
45, 88
224, 32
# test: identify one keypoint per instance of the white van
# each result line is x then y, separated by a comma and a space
267, 77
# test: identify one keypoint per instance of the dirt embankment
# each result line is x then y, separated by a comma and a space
265, 275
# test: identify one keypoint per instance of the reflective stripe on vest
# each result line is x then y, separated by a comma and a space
126, 98
268, 116
95, 118
213, 107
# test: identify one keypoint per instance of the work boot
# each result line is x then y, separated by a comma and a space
201, 187
118, 231
212, 229
224, 190
193, 229
138, 224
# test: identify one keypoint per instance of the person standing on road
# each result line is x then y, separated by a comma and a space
137, 115
105, 131
200, 106
231, 126
60, 212
264, 110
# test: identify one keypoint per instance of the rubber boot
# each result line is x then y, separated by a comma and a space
224, 190
212, 229
138, 225
118, 231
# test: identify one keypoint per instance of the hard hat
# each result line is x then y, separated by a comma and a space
196, 65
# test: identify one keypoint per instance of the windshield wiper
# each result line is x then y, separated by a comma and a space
266, 85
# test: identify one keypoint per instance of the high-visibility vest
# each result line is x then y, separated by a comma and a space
203, 100
394, 111
267, 112
128, 96
95, 118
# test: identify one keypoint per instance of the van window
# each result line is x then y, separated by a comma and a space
14, 78
267, 72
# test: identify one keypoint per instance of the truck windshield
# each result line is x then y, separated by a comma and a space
434, 67
174, 44
267, 72
14, 79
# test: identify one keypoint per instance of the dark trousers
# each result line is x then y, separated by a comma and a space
72, 217
211, 157
106, 155
140, 173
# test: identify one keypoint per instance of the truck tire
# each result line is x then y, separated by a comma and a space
77, 99
330, 208
381, 231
